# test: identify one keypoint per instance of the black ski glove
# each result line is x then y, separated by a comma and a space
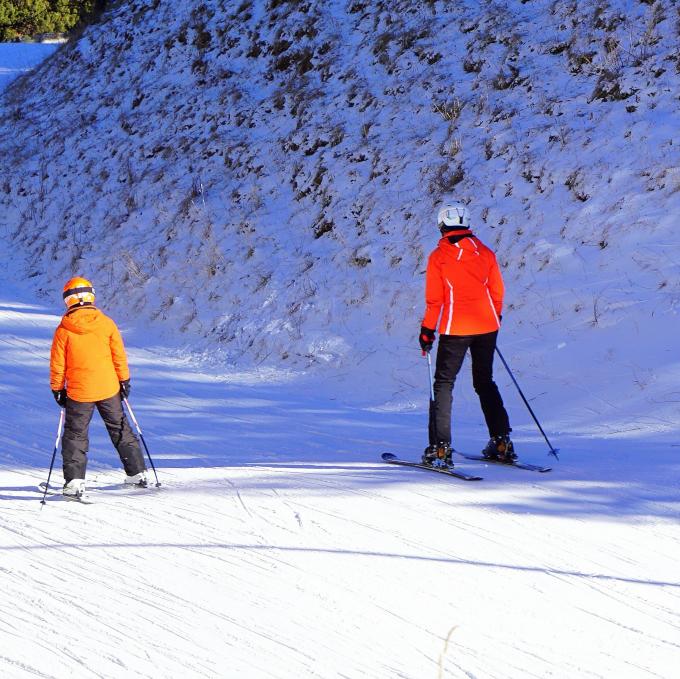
426, 338
60, 397
125, 388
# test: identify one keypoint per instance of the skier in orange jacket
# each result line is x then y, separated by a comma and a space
464, 295
88, 369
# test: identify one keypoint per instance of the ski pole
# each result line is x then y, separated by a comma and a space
54, 453
433, 415
553, 451
429, 370
141, 436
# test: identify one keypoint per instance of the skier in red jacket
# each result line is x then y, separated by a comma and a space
464, 294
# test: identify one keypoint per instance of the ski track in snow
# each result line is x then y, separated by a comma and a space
283, 548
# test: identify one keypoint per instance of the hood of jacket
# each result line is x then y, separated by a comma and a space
463, 242
83, 320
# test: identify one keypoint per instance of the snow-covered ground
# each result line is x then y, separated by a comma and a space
183, 157
279, 545
18, 59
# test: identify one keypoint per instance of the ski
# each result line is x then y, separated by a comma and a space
393, 459
116, 489
85, 498
135, 488
515, 463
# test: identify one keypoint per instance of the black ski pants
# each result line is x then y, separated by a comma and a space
76, 442
450, 355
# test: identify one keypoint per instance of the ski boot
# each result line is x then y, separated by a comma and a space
74, 488
438, 455
139, 480
500, 448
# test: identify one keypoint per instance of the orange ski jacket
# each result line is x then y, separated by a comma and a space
88, 356
464, 288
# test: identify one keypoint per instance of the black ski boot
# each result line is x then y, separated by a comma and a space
437, 455
500, 448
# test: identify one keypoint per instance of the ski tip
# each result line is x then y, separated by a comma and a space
388, 456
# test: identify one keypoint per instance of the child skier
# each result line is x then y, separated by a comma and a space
464, 287
88, 369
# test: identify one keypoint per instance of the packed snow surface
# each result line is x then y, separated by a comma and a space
279, 546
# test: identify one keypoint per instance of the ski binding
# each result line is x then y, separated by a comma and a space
83, 498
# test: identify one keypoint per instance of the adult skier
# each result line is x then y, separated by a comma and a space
88, 369
464, 294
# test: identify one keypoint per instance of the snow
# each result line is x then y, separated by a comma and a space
171, 162
278, 545
271, 368
17, 59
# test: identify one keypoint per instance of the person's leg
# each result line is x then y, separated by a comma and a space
450, 355
482, 351
75, 442
122, 436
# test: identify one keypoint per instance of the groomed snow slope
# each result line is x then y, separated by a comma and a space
278, 546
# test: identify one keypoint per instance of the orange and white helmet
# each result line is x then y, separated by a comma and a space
78, 291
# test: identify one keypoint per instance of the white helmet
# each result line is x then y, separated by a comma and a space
453, 216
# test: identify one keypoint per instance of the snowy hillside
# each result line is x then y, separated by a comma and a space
259, 180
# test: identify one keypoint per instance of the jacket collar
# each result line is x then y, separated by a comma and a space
454, 236
77, 307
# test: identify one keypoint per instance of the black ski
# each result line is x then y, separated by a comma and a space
517, 463
393, 459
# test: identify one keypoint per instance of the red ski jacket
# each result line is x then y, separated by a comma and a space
464, 287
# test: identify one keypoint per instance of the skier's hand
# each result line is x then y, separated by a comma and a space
125, 388
60, 397
426, 338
